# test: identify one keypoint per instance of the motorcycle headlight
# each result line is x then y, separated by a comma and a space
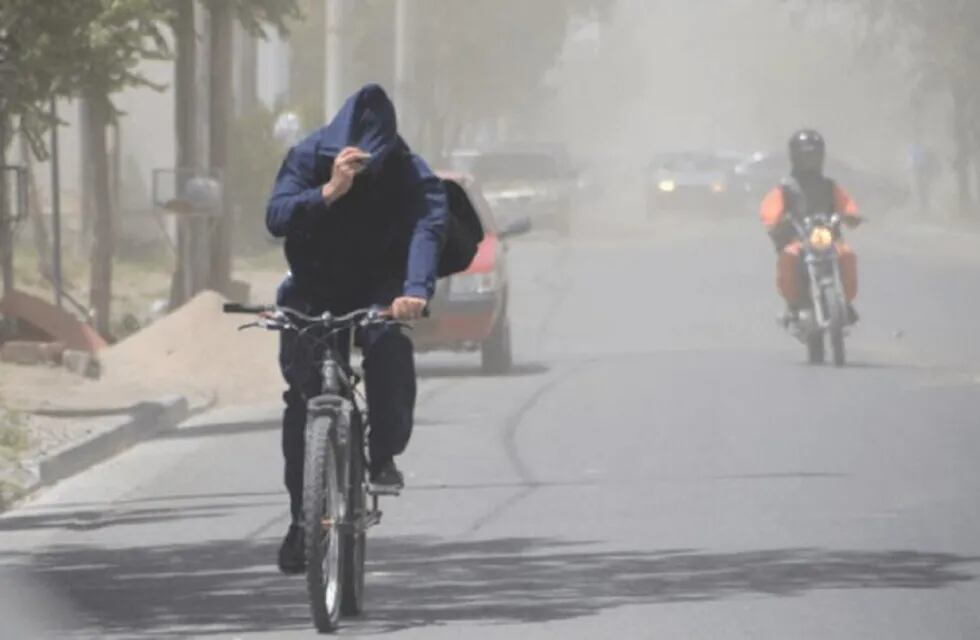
470, 284
821, 238
667, 186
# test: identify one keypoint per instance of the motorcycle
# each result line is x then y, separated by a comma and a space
825, 318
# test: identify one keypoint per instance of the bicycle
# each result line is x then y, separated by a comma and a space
336, 514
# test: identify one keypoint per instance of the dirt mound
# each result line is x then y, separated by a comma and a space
198, 349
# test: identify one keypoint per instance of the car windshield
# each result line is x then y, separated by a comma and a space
503, 167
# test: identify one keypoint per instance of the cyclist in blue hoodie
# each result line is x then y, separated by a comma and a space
363, 220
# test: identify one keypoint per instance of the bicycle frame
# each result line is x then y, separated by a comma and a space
338, 397
338, 400
336, 510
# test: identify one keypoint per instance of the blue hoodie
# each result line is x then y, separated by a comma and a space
387, 230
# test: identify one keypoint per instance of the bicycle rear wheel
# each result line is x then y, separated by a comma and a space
322, 513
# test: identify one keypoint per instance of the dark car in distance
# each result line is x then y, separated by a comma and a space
689, 182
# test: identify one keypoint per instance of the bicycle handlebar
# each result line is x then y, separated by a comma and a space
284, 317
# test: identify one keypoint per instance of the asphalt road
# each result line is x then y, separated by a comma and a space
660, 465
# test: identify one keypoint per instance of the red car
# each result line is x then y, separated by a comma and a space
469, 309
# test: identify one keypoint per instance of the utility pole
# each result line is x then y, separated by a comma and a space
186, 161
336, 17
221, 109
248, 90
404, 69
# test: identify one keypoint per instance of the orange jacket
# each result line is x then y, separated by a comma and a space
774, 206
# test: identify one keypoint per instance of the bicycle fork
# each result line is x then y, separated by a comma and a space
333, 405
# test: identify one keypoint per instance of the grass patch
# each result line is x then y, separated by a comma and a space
14, 436
13, 432
14, 440
9, 494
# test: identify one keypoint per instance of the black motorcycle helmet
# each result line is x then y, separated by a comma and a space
807, 151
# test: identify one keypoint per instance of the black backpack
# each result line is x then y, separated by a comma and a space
464, 232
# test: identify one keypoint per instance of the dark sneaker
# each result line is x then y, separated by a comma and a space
387, 479
292, 553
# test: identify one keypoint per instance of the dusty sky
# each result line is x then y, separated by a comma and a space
729, 74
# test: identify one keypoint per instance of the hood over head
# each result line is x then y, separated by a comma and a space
367, 120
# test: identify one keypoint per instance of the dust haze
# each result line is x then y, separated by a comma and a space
735, 76
620, 420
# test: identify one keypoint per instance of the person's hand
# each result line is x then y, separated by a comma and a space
349, 162
408, 308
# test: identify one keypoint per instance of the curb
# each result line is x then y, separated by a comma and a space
141, 421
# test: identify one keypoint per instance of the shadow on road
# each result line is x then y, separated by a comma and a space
106, 516
227, 587
528, 580
868, 365
474, 371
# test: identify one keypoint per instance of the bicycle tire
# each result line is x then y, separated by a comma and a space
355, 544
322, 510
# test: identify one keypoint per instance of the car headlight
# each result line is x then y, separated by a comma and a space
470, 284
821, 238
667, 186
718, 187
509, 195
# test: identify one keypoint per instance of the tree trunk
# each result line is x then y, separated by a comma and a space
974, 158
963, 140
185, 108
103, 242
115, 165
221, 110
39, 228
87, 200
6, 217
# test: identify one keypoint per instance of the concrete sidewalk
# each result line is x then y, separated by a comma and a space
56, 444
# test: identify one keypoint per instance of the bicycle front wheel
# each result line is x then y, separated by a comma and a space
322, 514
355, 540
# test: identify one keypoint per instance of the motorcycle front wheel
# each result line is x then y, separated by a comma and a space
815, 348
838, 314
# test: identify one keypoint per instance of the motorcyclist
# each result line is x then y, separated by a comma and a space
807, 191
364, 219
